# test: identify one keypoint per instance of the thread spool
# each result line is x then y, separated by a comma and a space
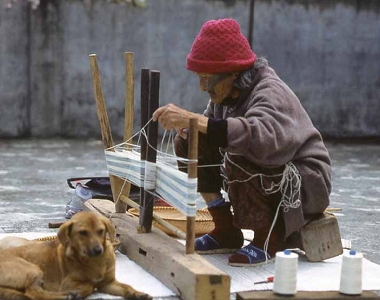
285, 273
351, 273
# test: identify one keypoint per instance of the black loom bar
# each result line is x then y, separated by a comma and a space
144, 117
148, 203
153, 106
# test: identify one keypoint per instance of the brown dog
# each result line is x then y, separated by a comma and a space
80, 262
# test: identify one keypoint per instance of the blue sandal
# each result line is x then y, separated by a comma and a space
206, 244
249, 256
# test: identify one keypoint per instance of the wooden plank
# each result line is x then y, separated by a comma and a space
324, 295
189, 276
101, 206
321, 238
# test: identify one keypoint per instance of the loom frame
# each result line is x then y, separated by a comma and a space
188, 274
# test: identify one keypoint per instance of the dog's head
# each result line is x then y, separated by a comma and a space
86, 234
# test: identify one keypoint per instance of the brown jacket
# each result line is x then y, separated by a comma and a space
267, 128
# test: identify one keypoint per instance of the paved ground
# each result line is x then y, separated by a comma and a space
33, 188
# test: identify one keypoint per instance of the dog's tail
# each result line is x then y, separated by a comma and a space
10, 294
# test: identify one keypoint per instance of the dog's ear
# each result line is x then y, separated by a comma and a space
65, 231
110, 228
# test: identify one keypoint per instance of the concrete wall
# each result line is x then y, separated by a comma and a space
327, 51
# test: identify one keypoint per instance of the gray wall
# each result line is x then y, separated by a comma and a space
327, 51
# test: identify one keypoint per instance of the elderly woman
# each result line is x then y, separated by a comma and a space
275, 167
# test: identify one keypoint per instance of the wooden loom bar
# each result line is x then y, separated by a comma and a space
144, 113
116, 182
100, 104
192, 173
129, 95
120, 206
144, 105
174, 230
146, 211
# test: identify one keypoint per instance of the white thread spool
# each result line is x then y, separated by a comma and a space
150, 176
285, 273
351, 273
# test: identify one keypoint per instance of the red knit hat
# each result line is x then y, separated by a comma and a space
220, 47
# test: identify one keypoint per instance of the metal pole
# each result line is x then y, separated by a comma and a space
251, 22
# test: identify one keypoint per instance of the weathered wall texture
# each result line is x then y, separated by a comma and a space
327, 51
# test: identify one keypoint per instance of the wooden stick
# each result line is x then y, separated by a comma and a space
333, 209
192, 173
130, 95
120, 206
174, 230
54, 224
146, 212
116, 182
100, 104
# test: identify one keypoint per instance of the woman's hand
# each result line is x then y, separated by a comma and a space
171, 116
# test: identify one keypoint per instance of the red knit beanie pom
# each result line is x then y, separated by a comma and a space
220, 47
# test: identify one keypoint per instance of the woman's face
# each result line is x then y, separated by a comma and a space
218, 86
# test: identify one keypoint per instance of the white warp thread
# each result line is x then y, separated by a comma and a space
150, 177
158, 178
126, 165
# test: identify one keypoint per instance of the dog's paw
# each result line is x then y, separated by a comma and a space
142, 297
74, 296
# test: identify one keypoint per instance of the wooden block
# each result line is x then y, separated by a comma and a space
101, 206
325, 295
321, 238
189, 276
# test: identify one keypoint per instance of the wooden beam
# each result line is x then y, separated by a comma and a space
190, 276
323, 295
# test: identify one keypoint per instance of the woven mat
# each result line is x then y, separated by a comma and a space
203, 219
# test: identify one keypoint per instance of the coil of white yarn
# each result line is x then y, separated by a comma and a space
285, 273
351, 273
